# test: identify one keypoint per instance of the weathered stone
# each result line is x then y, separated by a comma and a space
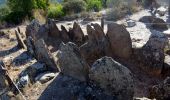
67, 88
155, 23
64, 34
42, 32
53, 29
151, 55
70, 62
120, 40
159, 24
113, 77
44, 55
78, 35
35, 69
20, 40
32, 29
146, 19
45, 77
161, 91
99, 31
97, 45
30, 45
91, 34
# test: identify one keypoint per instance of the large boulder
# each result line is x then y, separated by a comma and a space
68, 88
113, 77
44, 55
120, 40
155, 23
161, 91
159, 24
151, 55
70, 62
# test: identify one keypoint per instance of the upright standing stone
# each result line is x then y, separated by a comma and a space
44, 55
120, 40
70, 62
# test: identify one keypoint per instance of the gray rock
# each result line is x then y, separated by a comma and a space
70, 62
151, 55
130, 23
30, 45
77, 34
113, 77
44, 55
53, 29
35, 69
120, 40
45, 77
97, 45
64, 34
32, 29
67, 88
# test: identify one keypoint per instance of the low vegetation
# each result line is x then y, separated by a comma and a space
17, 11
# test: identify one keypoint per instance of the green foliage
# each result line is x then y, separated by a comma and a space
55, 11
23, 8
74, 6
15, 17
95, 5
4, 11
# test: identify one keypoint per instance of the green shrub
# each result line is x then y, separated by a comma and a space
55, 11
95, 5
15, 17
74, 6
4, 11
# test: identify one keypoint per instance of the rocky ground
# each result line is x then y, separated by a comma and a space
44, 68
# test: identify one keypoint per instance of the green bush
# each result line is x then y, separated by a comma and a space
55, 11
95, 5
74, 6
4, 11
15, 17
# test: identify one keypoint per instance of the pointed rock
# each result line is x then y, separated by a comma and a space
71, 63
120, 40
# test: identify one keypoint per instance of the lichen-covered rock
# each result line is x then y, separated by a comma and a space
68, 88
70, 62
113, 77
120, 40
151, 55
161, 91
